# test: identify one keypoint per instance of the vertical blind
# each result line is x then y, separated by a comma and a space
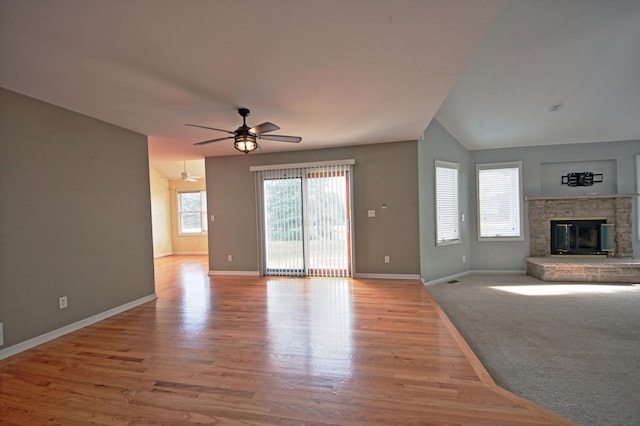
305, 220
499, 200
447, 230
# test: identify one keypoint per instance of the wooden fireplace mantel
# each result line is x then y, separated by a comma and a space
578, 197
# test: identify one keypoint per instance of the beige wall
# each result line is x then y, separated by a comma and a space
384, 173
160, 213
75, 217
184, 244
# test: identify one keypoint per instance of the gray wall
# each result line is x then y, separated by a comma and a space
536, 161
616, 160
442, 261
383, 173
75, 217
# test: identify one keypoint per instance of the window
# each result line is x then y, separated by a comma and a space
499, 205
447, 230
192, 212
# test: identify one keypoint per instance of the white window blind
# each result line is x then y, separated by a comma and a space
499, 205
447, 229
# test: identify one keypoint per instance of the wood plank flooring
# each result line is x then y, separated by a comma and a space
262, 351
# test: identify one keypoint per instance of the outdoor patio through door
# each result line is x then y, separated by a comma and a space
306, 221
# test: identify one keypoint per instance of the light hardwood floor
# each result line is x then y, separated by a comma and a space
258, 351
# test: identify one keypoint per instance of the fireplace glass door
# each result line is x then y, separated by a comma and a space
563, 237
580, 237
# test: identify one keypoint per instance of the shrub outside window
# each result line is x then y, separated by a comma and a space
192, 212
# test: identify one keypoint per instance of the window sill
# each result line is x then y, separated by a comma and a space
447, 243
481, 239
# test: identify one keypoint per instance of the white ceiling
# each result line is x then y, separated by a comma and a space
336, 72
583, 55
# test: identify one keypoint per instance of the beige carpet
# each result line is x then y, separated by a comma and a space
572, 348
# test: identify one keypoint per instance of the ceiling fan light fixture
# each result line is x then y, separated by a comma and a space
245, 143
245, 137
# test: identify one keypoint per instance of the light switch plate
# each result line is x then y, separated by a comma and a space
371, 213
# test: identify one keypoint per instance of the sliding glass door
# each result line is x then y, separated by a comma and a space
328, 233
306, 221
283, 222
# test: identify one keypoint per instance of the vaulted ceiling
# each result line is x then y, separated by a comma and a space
495, 73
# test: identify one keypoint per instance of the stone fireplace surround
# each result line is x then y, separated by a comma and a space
615, 208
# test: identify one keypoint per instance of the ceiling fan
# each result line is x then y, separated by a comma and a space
245, 137
186, 176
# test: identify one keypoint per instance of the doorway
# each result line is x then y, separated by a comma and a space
306, 221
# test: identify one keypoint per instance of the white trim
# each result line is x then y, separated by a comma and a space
188, 252
43, 338
236, 273
303, 165
445, 279
502, 165
440, 164
389, 276
500, 271
204, 217
473, 271
163, 254
447, 164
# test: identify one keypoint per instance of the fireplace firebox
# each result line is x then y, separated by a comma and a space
587, 237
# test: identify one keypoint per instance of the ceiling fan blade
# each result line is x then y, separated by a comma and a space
281, 138
210, 128
263, 128
213, 140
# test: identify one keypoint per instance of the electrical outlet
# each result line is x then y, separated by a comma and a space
386, 259
1, 334
464, 259
62, 302
229, 258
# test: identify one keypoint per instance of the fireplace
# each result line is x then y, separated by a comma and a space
579, 237
615, 209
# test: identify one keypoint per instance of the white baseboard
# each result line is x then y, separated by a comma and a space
389, 276
236, 273
159, 255
474, 271
500, 271
43, 338
445, 279
186, 253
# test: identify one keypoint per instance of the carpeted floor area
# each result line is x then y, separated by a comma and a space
572, 348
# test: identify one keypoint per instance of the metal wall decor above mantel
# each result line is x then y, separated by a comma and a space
582, 178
